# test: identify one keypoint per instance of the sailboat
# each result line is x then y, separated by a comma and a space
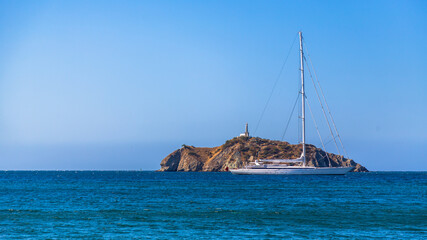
280, 166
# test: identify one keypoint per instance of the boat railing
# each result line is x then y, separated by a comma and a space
298, 160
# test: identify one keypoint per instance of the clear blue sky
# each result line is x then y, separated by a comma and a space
120, 84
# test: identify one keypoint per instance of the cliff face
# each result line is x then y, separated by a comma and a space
238, 151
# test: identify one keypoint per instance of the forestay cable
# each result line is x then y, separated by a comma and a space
326, 103
323, 110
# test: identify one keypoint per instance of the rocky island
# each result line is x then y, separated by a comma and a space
238, 151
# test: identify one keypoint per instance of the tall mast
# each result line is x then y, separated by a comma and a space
303, 97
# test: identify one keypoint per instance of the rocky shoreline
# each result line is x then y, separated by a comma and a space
238, 151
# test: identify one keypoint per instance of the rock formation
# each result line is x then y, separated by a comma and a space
238, 151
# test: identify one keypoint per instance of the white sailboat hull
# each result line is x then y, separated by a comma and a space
293, 171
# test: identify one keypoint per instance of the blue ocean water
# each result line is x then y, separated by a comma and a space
176, 205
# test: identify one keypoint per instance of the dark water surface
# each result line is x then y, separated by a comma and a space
102, 204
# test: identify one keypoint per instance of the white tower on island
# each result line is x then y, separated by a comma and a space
246, 134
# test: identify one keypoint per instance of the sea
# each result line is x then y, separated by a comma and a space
200, 205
